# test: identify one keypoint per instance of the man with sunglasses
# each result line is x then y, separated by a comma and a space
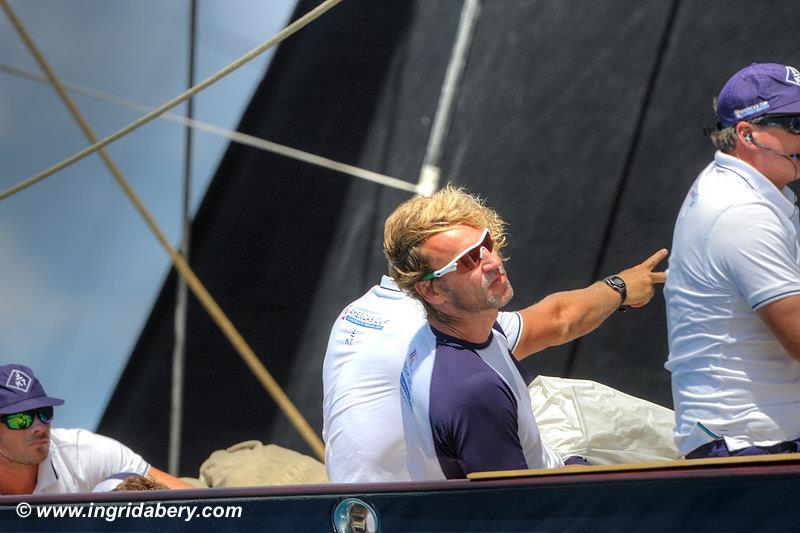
463, 398
361, 428
35, 459
733, 291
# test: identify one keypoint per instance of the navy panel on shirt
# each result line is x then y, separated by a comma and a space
473, 413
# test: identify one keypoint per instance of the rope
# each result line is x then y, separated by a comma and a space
216, 313
235, 136
280, 36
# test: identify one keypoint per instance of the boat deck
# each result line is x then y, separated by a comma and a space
692, 495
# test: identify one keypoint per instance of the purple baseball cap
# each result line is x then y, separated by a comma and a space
757, 90
21, 391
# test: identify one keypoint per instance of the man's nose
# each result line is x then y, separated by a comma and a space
490, 260
38, 426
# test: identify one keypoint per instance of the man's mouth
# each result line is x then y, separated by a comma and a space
497, 279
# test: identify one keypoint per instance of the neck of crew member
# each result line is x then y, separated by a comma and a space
16, 478
474, 328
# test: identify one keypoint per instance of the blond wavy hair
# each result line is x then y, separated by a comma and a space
417, 219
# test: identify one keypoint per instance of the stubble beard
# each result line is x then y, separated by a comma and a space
486, 301
29, 455
498, 301
39, 453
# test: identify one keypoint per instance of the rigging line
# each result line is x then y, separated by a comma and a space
235, 136
430, 172
205, 298
181, 296
616, 201
280, 36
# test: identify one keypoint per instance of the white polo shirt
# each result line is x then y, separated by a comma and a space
362, 425
735, 250
78, 460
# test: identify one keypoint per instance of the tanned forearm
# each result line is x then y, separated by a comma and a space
565, 316
168, 480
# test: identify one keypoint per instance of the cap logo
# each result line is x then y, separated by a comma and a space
793, 75
19, 380
747, 111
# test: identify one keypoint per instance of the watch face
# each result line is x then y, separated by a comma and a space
617, 281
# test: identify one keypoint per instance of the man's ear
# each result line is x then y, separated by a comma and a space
744, 132
429, 292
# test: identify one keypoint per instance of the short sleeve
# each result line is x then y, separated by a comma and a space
511, 324
750, 249
101, 457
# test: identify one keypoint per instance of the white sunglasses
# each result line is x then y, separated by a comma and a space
469, 258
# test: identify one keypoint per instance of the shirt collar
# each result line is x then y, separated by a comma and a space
388, 283
781, 199
449, 340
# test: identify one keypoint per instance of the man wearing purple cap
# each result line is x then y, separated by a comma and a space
733, 284
35, 459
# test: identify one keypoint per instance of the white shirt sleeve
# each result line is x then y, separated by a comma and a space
100, 457
511, 323
752, 252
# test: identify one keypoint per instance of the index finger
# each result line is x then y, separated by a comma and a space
655, 259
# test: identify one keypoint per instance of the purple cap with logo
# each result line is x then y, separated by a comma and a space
760, 89
21, 391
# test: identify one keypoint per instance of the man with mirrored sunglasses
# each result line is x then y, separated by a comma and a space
733, 290
463, 395
37, 459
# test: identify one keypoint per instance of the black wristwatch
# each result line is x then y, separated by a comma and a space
618, 284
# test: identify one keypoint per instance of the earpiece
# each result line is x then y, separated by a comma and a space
789, 157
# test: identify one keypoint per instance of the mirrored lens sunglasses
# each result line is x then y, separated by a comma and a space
25, 419
468, 259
